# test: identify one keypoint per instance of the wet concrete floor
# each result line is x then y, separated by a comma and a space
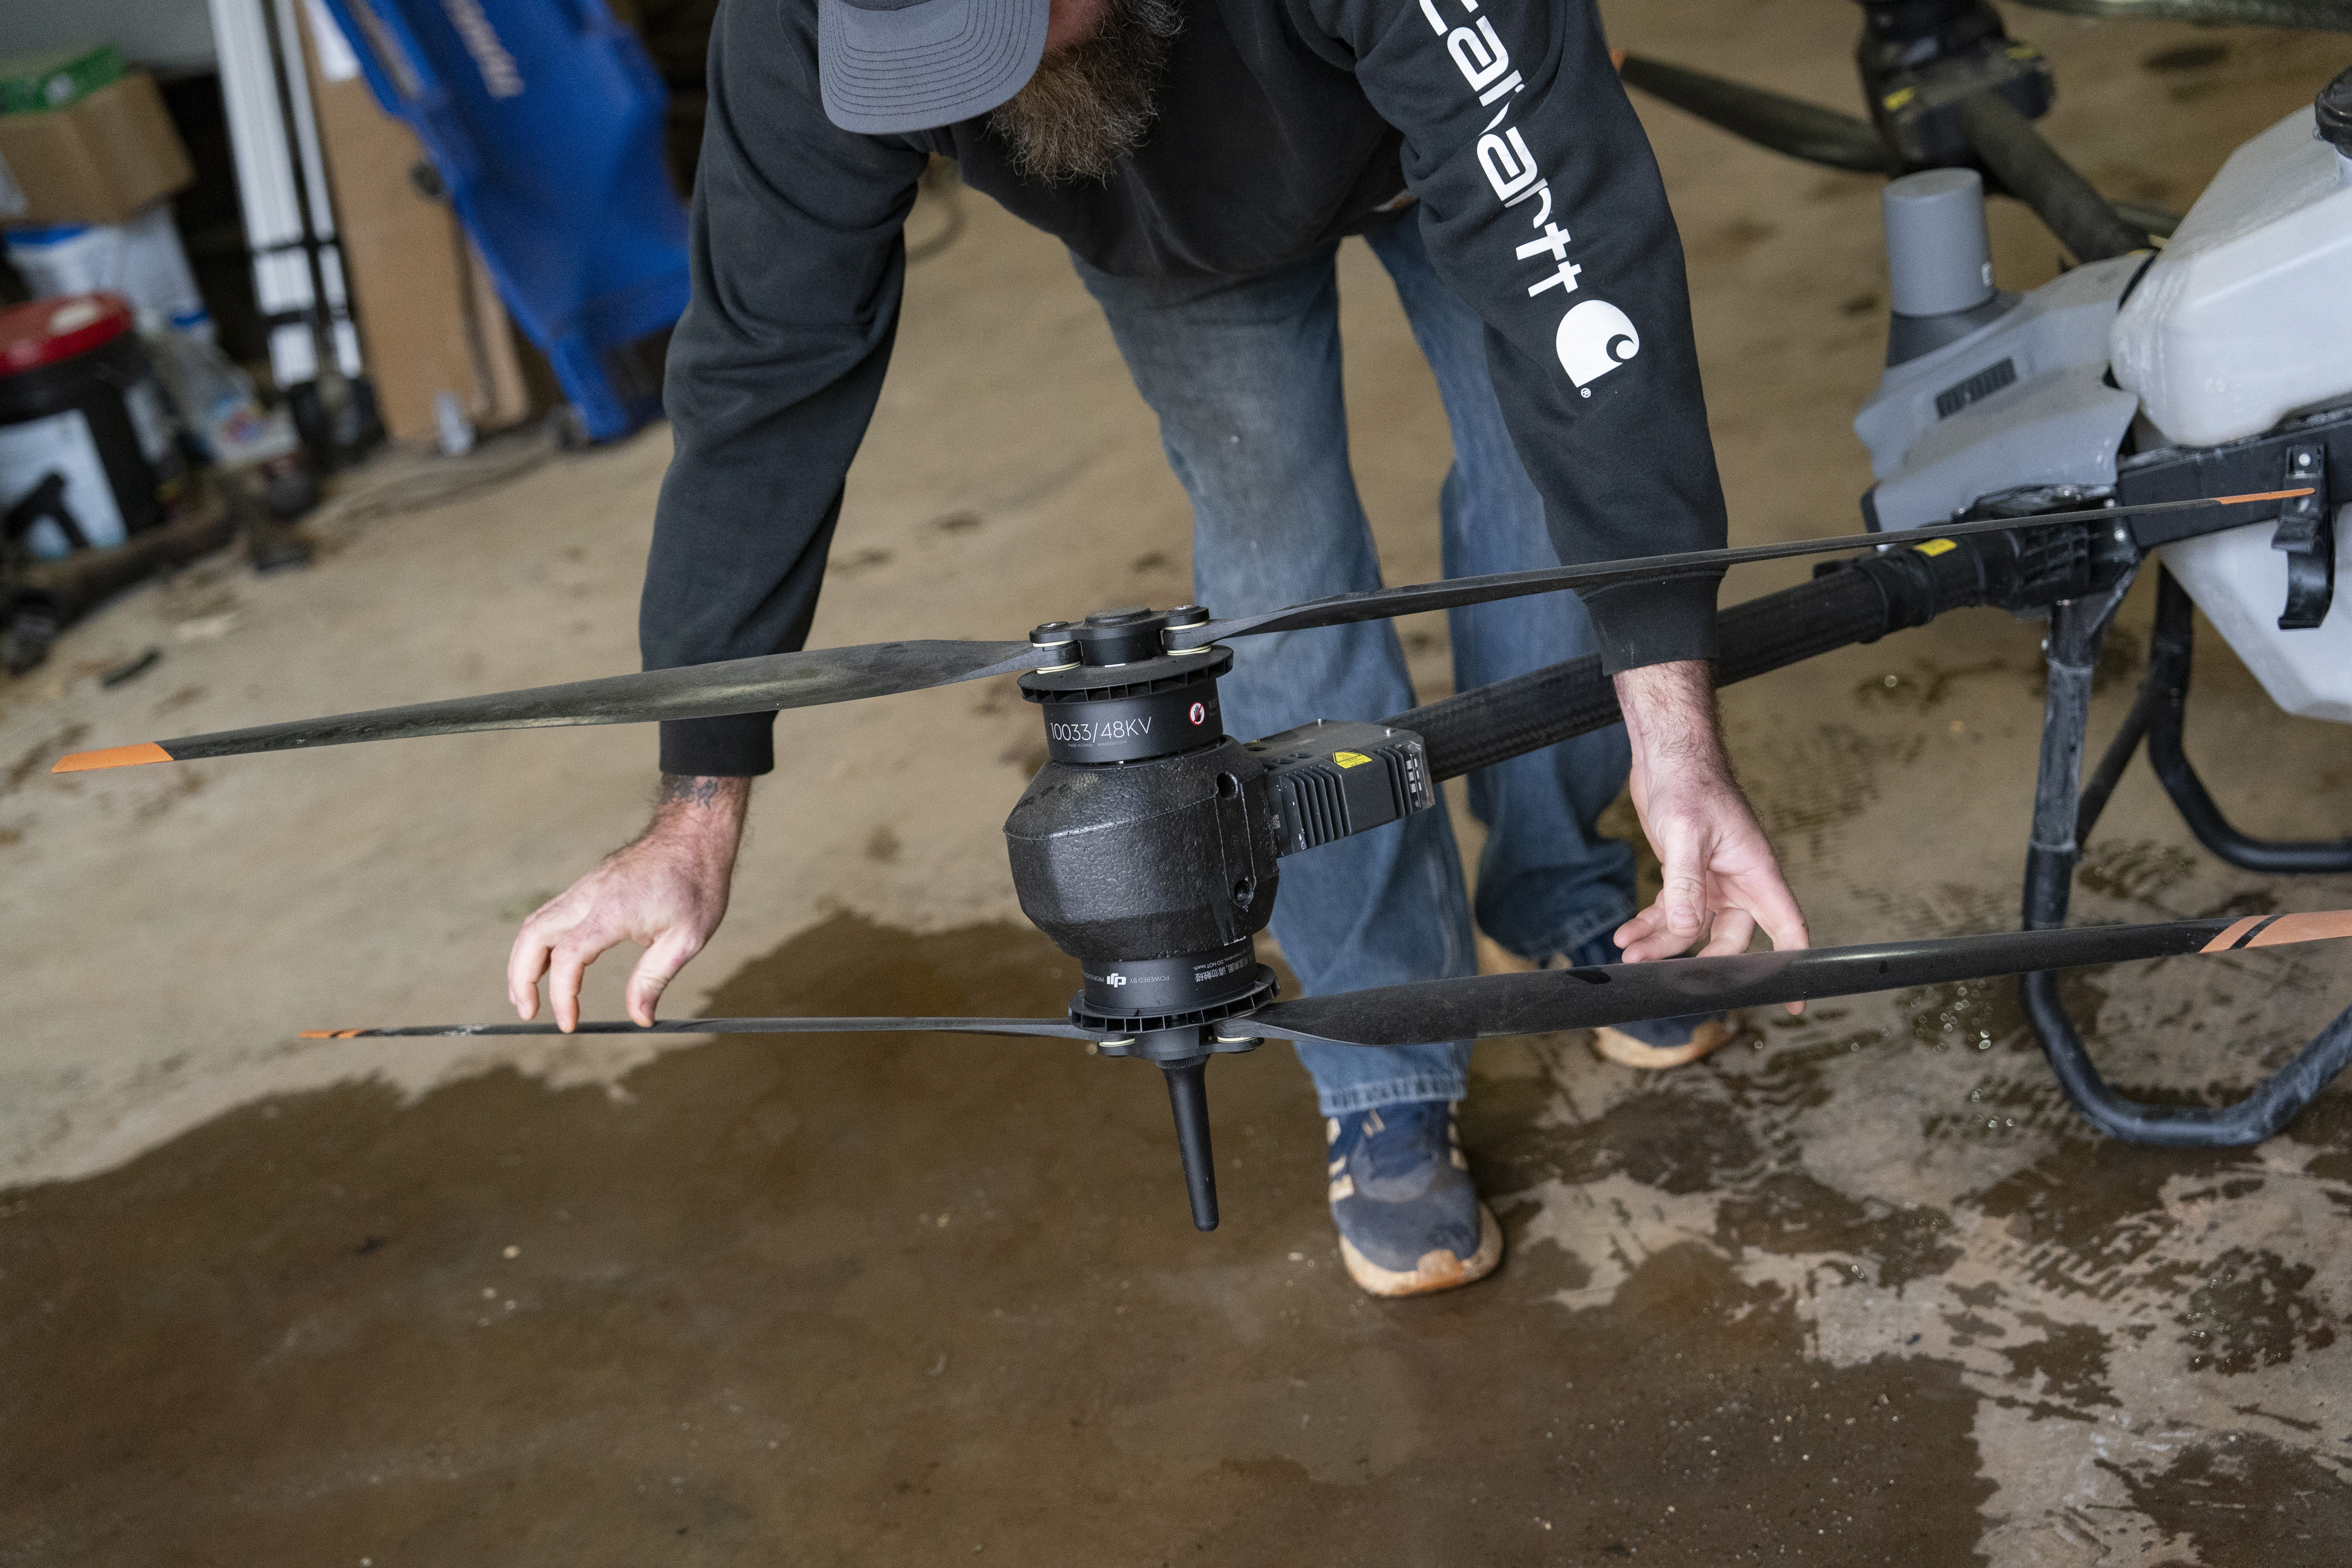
1859, 1289
919, 1299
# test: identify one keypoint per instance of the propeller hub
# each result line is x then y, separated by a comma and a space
1112, 637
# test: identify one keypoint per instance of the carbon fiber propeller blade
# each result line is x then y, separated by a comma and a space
698, 692
1780, 124
1544, 1003
879, 669
1052, 1028
1379, 603
1816, 135
2326, 16
1589, 998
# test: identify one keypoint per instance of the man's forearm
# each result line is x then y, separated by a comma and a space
1671, 716
705, 811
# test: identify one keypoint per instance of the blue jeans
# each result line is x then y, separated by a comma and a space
1244, 375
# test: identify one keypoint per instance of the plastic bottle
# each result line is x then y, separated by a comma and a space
217, 399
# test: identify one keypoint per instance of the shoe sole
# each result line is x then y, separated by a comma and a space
1616, 1046
1437, 1270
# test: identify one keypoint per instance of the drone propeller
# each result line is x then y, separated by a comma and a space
1816, 135
1547, 1000
1053, 1028
2326, 16
1771, 120
1380, 604
879, 669
1551, 1000
1544, 1003
760, 685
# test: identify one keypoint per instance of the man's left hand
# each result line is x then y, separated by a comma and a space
1721, 882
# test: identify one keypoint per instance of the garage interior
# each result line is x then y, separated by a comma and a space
1860, 1288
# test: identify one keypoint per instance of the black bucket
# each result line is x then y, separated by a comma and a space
87, 455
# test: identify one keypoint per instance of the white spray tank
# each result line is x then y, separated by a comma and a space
2243, 321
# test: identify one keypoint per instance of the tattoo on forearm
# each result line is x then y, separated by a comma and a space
678, 789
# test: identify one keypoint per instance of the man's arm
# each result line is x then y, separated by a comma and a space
797, 269
1543, 208
1721, 883
665, 890
796, 263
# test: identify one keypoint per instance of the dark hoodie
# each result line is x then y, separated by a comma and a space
1282, 125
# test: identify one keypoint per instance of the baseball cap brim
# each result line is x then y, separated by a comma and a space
925, 65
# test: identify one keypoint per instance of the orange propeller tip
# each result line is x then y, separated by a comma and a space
333, 1033
112, 757
2263, 495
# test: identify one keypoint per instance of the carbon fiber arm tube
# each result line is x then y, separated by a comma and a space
2030, 170
1856, 601
1510, 717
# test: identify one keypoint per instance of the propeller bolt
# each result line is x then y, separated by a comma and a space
1184, 618
1058, 635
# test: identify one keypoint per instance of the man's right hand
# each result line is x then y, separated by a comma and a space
665, 890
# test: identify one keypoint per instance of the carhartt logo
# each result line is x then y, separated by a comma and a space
1114, 978
1595, 338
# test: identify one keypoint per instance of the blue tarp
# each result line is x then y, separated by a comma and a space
544, 120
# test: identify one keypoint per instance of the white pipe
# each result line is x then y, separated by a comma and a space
265, 178
315, 188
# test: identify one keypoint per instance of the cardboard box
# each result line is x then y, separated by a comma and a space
98, 159
56, 78
429, 318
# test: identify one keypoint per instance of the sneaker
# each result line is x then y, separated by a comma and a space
1409, 1222
1654, 1042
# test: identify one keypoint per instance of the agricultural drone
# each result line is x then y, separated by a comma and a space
2014, 469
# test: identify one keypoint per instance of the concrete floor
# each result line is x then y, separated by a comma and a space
1860, 1288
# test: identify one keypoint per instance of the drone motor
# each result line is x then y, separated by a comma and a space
1146, 847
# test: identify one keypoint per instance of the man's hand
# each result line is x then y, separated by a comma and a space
1721, 882
665, 890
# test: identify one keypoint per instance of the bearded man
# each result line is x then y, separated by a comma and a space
1202, 159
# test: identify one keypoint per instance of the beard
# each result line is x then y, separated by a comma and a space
1090, 105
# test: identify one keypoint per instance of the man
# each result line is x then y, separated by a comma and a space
1201, 159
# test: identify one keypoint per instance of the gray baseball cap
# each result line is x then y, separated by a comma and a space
890, 66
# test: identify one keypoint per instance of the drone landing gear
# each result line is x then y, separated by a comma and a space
2163, 709
2063, 818
1182, 1057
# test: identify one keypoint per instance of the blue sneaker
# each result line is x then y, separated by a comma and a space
1409, 1222
1654, 1042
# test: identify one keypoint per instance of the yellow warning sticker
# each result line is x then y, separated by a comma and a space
1935, 547
1349, 759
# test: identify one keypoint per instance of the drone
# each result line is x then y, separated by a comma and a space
1149, 846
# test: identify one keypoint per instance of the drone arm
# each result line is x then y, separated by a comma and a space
2029, 169
1772, 120
1856, 601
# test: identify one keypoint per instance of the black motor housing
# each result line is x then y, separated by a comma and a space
1145, 847
1154, 875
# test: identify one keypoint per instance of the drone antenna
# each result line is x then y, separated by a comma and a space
1188, 1097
